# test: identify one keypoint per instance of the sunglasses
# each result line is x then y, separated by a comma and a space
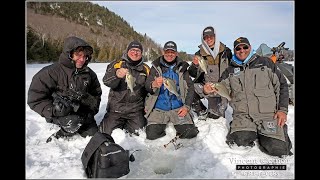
244, 47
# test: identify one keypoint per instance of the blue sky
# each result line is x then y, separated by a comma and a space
270, 22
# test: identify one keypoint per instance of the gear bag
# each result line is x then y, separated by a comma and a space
103, 158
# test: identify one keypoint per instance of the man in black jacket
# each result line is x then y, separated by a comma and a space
126, 78
68, 93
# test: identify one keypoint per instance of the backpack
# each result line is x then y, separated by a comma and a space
103, 158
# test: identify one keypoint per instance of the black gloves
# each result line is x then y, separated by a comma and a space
61, 109
71, 101
89, 101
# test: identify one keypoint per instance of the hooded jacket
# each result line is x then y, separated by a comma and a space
60, 76
256, 87
222, 60
120, 98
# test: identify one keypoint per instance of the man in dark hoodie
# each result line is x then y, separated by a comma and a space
68, 93
171, 92
126, 78
217, 57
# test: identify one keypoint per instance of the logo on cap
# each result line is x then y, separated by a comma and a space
239, 40
170, 45
208, 30
134, 45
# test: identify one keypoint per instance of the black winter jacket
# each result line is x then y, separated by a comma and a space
60, 76
120, 98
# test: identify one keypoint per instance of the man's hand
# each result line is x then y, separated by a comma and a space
182, 111
120, 73
157, 82
89, 101
208, 89
281, 117
59, 109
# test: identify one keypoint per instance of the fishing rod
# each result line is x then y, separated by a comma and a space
174, 140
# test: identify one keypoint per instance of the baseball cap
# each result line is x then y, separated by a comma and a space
170, 45
135, 44
208, 31
241, 40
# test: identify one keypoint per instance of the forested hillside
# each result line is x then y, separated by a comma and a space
49, 23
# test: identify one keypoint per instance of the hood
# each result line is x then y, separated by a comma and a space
70, 44
203, 52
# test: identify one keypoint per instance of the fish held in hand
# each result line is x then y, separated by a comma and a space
171, 86
130, 80
202, 64
222, 90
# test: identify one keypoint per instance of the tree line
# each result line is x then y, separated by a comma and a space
108, 33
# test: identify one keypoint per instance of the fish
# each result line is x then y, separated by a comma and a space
222, 90
203, 64
130, 80
171, 86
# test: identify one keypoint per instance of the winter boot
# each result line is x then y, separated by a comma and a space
198, 106
59, 134
212, 114
202, 115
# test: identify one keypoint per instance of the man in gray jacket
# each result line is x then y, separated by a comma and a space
259, 98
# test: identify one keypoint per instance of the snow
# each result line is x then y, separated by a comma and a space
205, 156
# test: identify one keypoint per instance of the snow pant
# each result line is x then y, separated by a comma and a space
88, 129
158, 120
197, 105
131, 122
217, 105
273, 140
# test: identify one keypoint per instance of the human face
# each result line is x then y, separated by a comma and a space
79, 58
242, 51
210, 40
135, 54
169, 55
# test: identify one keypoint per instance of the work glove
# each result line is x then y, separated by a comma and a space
89, 101
61, 109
